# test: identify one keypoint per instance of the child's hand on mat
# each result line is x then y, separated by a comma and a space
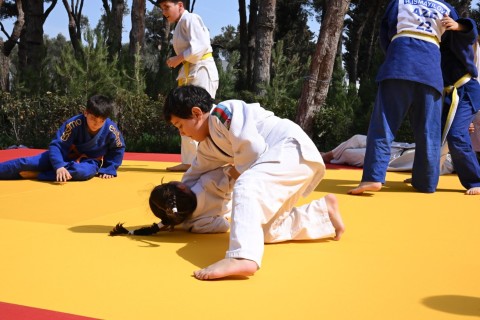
63, 175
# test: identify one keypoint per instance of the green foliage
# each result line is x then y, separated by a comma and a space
333, 124
282, 92
293, 30
227, 43
133, 75
227, 77
33, 121
141, 122
90, 73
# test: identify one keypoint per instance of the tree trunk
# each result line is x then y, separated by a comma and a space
363, 14
186, 5
252, 27
315, 88
30, 48
7, 47
114, 17
243, 30
264, 43
165, 48
372, 43
137, 34
74, 28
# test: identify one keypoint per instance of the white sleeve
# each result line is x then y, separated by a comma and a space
196, 34
214, 194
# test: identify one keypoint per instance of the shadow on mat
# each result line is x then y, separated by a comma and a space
200, 249
461, 305
343, 186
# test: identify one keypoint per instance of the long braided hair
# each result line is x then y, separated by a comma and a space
170, 204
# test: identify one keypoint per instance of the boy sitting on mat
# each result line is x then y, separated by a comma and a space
85, 146
277, 163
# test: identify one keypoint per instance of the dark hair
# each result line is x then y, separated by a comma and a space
170, 204
181, 100
100, 106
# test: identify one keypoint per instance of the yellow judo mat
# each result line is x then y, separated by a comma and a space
404, 255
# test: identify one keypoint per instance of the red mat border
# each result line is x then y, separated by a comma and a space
9, 154
10, 311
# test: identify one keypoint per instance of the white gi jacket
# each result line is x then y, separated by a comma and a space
214, 194
192, 39
277, 163
251, 136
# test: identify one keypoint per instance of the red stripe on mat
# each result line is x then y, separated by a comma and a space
138, 156
25, 152
10, 311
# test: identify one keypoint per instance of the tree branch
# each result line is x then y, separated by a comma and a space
49, 9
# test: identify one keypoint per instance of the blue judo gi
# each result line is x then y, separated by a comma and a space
457, 62
410, 81
75, 149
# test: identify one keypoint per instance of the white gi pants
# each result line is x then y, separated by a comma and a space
188, 146
263, 200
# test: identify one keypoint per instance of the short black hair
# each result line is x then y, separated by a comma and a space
167, 196
100, 106
181, 100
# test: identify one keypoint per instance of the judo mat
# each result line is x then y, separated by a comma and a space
404, 255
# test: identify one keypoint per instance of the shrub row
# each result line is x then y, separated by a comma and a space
33, 121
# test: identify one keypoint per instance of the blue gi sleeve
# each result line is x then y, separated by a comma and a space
115, 150
60, 145
461, 42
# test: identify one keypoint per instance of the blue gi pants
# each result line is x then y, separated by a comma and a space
458, 139
395, 98
83, 170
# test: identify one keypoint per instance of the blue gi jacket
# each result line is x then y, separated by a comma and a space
73, 141
409, 58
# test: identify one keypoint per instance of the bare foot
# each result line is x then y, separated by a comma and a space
327, 156
182, 167
473, 191
28, 174
334, 214
227, 267
408, 180
366, 186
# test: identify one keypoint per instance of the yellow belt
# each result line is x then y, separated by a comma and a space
418, 35
454, 104
186, 69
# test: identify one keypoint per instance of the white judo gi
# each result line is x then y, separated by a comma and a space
277, 163
192, 39
352, 152
214, 194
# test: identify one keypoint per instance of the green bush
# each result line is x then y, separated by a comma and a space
141, 121
33, 122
